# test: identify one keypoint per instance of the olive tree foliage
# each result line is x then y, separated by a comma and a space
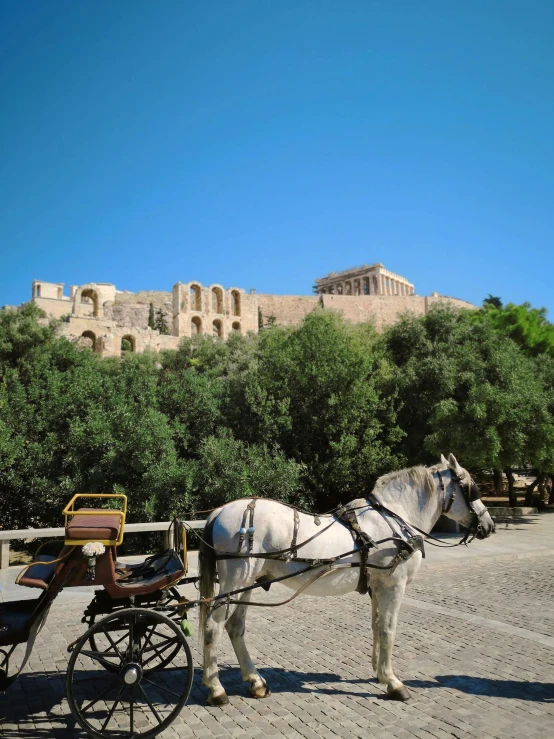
315, 393
466, 388
527, 326
310, 415
71, 422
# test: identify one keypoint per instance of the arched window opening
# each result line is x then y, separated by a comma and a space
88, 340
90, 296
196, 326
195, 297
217, 330
235, 303
37, 291
236, 327
217, 300
128, 343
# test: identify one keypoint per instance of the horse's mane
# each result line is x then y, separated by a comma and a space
419, 475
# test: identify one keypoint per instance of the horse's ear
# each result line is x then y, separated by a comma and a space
444, 460
453, 464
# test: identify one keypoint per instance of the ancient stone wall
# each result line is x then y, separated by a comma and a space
132, 309
287, 309
436, 299
159, 298
381, 310
384, 310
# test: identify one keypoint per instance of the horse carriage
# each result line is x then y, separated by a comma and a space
131, 672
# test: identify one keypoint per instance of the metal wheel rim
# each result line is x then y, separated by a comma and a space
134, 695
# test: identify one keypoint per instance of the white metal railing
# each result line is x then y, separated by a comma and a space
130, 528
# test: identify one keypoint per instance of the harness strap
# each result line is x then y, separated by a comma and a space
445, 507
364, 542
293, 549
250, 531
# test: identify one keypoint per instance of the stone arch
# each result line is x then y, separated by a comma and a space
131, 341
90, 336
87, 295
196, 326
217, 329
236, 326
217, 300
235, 303
195, 297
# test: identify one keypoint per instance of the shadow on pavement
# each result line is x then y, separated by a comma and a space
519, 689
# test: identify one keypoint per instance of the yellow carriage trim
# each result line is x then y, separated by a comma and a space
107, 526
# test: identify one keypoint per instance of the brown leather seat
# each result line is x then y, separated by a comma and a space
39, 574
98, 527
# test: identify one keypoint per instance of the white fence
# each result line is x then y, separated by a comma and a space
130, 528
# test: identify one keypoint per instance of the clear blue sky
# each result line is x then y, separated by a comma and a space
265, 143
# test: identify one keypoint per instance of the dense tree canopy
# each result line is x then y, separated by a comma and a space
310, 415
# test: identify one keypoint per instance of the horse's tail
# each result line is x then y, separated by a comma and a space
206, 570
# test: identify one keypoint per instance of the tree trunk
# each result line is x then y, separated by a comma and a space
529, 490
511, 490
498, 482
551, 498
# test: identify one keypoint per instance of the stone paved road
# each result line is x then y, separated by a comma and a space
475, 646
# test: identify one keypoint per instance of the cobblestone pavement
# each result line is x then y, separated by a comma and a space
475, 646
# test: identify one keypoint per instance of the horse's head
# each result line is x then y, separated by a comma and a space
462, 500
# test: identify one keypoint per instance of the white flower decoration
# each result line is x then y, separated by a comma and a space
93, 549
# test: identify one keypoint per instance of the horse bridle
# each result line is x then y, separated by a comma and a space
471, 494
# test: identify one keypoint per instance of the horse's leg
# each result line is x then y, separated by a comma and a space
235, 626
375, 630
213, 629
389, 599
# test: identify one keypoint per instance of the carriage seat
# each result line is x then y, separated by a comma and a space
164, 567
101, 527
39, 574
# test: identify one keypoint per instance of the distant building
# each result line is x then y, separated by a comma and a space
369, 279
111, 321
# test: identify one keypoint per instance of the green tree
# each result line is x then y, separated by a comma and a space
527, 326
151, 317
315, 393
160, 323
493, 300
465, 387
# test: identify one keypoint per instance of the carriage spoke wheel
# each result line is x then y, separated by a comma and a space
129, 675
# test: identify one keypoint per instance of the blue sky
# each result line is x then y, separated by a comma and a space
265, 143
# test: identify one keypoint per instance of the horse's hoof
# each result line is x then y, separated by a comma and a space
262, 691
218, 700
399, 694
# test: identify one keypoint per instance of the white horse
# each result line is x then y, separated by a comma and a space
418, 496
